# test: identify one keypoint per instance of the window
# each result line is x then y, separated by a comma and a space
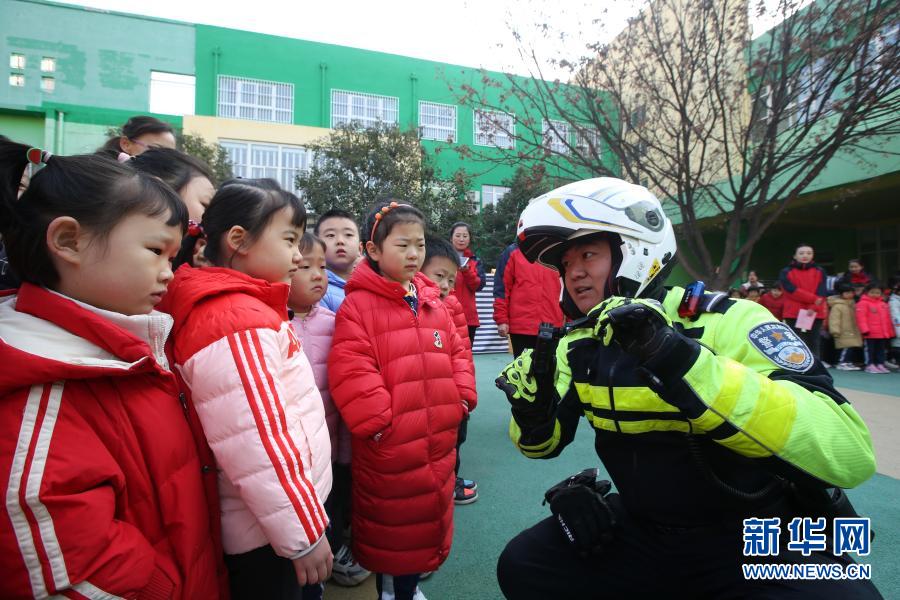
762, 112
638, 116
437, 121
473, 197
16, 61
879, 50
363, 110
556, 136
491, 194
587, 141
813, 91
494, 129
48, 65
640, 149
280, 162
255, 100
48, 84
172, 94
16, 80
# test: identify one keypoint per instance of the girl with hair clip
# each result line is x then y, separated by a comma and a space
254, 392
400, 376
104, 494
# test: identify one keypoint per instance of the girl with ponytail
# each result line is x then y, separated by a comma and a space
99, 453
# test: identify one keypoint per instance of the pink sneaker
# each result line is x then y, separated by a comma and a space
872, 369
882, 369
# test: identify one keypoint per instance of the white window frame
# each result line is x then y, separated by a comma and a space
281, 162
17, 79
558, 140
48, 84
17, 60
48, 64
492, 194
437, 126
255, 99
364, 110
490, 132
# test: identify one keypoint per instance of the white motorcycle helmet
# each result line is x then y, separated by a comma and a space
641, 235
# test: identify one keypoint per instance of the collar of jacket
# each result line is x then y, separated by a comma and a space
365, 278
335, 279
47, 337
194, 285
803, 266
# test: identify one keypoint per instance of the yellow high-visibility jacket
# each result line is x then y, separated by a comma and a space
757, 409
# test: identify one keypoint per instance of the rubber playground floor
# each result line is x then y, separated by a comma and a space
511, 487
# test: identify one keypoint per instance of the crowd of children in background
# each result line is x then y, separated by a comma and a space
222, 386
854, 322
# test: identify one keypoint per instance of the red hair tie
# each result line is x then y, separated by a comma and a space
37, 156
195, 229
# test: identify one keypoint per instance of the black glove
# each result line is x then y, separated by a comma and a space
639, 326
583, 512
664, 355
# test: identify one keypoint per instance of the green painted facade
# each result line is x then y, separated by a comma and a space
315, 69
102, 70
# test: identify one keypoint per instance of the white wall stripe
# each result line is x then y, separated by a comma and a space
319, 521
13, 508
257, 400
33, 489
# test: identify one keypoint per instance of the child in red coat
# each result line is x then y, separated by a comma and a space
401, 377
441, 266
874, 319
103, 485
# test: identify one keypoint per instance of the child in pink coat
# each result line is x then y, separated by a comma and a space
874, 319
314, 325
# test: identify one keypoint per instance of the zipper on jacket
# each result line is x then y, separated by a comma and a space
183, 400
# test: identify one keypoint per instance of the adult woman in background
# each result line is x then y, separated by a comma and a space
139, 134
804, 284
470, 277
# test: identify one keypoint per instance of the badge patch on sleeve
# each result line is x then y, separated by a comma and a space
782, 346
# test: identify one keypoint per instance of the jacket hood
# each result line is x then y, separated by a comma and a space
192, 286
365, 278
47, 337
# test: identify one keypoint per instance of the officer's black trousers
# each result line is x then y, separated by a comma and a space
643, 562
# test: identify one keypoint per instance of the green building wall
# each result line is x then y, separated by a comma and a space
102, 76
316, 68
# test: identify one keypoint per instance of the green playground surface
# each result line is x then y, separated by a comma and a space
511, 487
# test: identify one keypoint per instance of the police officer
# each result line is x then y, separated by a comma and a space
705, 411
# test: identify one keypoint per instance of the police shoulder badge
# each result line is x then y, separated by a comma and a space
782, 346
